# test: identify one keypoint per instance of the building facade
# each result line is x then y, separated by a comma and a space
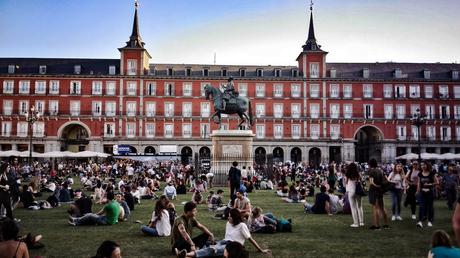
313, 112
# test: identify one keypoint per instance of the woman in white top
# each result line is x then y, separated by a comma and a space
352, 178
159, 224
397, 177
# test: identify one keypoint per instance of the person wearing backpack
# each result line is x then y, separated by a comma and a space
376, 180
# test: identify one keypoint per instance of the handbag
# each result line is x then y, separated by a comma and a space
359, 190
387, 185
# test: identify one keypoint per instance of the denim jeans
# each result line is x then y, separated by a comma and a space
91, 219
396, 195
149, 231
216, 250
426, 210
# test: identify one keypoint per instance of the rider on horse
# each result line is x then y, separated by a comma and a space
229, 92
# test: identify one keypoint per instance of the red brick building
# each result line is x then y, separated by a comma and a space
316, 111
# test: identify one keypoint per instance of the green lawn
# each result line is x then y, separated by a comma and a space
313, 235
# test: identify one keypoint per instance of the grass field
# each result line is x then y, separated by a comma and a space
312, 236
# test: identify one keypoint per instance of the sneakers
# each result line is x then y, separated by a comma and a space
361, 224
399, 218
72, 223
17, 220
429, 224
419, 224
180, 254
393, 218
374, 227
354, 225
413, 216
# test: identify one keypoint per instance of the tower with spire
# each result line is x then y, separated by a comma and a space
312, 59
134, 59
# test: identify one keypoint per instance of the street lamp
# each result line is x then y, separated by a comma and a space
32, 116
418, 120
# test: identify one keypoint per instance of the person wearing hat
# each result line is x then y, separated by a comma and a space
229, 92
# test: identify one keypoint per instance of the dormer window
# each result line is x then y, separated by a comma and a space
132, 67
170, 72
223, 72
242, 72
277, 72
42, 69
188, 71
426, 74
366, 73
112, 70
333, 73
295, 73
205, 72
11, 69
398, 73
454, 74
77, 69
152, 70
260, 72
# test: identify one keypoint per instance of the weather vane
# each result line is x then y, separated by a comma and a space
311, 5
136, 4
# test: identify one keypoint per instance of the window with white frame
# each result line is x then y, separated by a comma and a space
278, 131
97, 108
431, 133
169, 89
260, 90
415, 133
314, 90
75, 108
8, 87
243, 89
413, 109
314, 110
388, 110
205, 72
7, 107
278, 110
23, 107
110, 108
314, 131
38, 129
314, 70
367, 91
454, 74
260, 131
169, 109
187, 109
348, 110
400, 91
149, 130
387, 91
132, 88
444, 111
75, 87
335, 111
169, 130
401, 132
11, 69
414, 91
97, 88
223, 72
334, 90
205, 109
54, 87
457, 133
42, 69
368, 111
446, 133
150, 88
457, 91
132, 66
202, 88
278, 90
130, 130
333, 73
150, 109
295, 110
24, 87
40, 107
109, 130
295, 131
110, 88
204, 130
430, 111
170, 72
242, 72
53, 106
186, 130
428, 91
260, 72
443, 91
400, 111
131, 108
335, 132
295, 90
457, 112
366, 73
397, 73
112, 70
77, 69
277, 72
260, 110
22, 129
187, 89
347, 91
426, 74
294, 73
6, 128
40, 87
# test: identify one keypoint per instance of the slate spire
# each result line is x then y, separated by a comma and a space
135, 39
311, 44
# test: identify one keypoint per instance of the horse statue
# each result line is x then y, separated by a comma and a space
235, 105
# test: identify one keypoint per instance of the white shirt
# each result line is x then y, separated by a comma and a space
351, 186
130, 171
238, 233
170, 191
163, 226
244, 173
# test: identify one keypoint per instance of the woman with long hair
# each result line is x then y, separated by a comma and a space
411, 180
425, 194
159, 224
10, 246
398, 178
441, 245
376, 179
353, 178
108, 249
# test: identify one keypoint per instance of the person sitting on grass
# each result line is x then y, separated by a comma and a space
334, 201
242, 204
124, 209
170, 191
293, 195
215, 201
235, 250
9, 246
111, 211
322, 203
108, 249
81, 206
159, 224
441, 246
181, 237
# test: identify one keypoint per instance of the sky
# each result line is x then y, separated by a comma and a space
236, 32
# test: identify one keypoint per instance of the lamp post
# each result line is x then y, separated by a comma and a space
32, 116
418, 120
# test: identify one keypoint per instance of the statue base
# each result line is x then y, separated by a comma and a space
229, 146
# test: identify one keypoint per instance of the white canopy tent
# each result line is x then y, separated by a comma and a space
424, 155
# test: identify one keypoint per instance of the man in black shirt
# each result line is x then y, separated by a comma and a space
234, 179
322, 203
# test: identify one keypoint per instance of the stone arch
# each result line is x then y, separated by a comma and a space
260, 155
278, 155
368, 143
186, 155
150, 150
74, 136
314, 157
296, 155
373, 126
62, 127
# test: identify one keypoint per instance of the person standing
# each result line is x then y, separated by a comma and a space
425, 194
397, 177
5, 190
412, 179
353, 178
451, 185
376, 178
234, 179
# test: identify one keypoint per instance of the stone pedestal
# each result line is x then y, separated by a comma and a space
229, 146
